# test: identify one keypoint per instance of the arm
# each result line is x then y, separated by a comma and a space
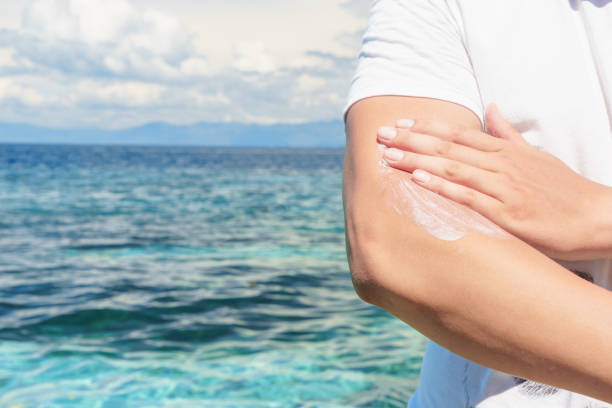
501, 176
496, 301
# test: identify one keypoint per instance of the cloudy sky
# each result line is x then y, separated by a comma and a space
120, 63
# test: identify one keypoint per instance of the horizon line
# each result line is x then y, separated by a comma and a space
93, 144
93, 128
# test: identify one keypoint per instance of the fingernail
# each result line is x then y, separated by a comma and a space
404, 123
387, 133
421, 176
393, 154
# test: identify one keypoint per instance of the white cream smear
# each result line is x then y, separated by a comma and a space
439, 216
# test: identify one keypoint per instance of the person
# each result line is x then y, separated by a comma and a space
476, 178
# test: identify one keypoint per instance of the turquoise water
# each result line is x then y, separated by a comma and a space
186, 277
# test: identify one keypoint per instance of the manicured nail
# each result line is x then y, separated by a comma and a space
421, 176
387, 133
393, 154
404, 123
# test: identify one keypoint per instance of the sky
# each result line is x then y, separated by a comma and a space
113, 64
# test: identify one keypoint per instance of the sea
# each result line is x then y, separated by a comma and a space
186, 277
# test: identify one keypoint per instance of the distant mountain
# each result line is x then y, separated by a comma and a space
313, 134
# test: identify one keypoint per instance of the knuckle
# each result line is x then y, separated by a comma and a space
504, 179
468, 197
437, 186
519, 192
452, 170
431, 127
515, 211
503, 156
516, 188
443, 148
455, 133
501, 145
506, 157
421, 125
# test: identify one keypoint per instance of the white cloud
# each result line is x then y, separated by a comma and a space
196, 66
120, 63
204, 99
309, 83
101, 37
359, 8
124, 93
91, 22
6, 57
15, 92
253, 57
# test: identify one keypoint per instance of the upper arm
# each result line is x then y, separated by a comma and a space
412, 64
372, 225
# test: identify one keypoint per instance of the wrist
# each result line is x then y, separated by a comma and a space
599, 214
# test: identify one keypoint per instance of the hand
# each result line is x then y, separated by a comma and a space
530, 193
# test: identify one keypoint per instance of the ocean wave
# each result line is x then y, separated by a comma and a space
186, 277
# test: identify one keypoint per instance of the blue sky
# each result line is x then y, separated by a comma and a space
120, 63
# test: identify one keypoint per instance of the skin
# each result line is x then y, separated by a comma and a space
439, 217
556, 327
523, 190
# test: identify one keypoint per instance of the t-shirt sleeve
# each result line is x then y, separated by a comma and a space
415, 48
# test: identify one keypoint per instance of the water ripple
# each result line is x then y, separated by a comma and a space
177, 277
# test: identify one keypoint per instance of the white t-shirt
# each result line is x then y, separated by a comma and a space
548, 66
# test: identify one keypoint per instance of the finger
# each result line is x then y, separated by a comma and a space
498, 126
467, 137
481, 203
484, 181
405, 139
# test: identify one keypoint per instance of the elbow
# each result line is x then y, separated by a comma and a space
362, 263
377, 278
366, 259
395, 278
363, 242
385, 265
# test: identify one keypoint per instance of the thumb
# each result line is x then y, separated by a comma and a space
499, 127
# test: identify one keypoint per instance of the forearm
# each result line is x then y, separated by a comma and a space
495, 301
505, 306
597, 226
